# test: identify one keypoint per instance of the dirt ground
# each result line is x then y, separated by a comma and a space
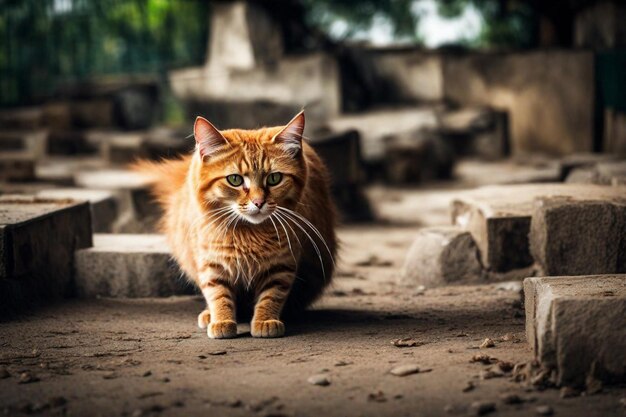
147, 357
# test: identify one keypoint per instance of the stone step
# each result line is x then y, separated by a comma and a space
499, 217
127, 265
38, 239
575, 326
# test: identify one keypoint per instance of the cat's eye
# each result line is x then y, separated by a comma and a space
274, 178
235, 180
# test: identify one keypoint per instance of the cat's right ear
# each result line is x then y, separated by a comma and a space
209, 140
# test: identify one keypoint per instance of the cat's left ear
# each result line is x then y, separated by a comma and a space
209, 140
290, 138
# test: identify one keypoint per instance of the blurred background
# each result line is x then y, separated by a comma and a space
396, 92
471, 144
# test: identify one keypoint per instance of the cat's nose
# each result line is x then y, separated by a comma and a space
258, 202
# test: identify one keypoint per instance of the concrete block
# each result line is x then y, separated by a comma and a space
103, 204
575, 326
17, 166
498, 217
579, 237
441, 256
37, 243
123, 265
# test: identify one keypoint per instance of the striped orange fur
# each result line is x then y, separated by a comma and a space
249, 219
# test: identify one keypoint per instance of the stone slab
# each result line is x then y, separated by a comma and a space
579, 237
498, 217
127, 265
442, 256
575, 326
37, 243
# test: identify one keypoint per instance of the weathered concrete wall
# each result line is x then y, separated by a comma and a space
414, 75
549, 95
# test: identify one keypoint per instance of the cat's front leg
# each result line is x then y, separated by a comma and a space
220, 299
271, 294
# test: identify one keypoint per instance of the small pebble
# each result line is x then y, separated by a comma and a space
487, 343
27, 378
404, 370
482, 408
569, 392
342, 363
57, 401
218, 353
490, 374
469, 386
544, 410
4, 373
147, 373
377, 397
511, 399
321, 380
505, 366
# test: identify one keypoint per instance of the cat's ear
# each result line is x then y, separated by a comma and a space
209, 140
290, 138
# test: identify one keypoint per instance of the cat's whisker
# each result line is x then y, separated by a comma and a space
317, 249
282, 216
287, 235
276, 229
313, 228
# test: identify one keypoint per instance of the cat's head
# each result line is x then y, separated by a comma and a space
250, 172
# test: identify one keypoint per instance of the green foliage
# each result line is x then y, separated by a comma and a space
360, 15
506, 23
50, 41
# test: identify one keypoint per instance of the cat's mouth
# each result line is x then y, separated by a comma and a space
254, 214
255, 218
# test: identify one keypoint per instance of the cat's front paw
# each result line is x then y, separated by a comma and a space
204, 318
226, 329
267, 328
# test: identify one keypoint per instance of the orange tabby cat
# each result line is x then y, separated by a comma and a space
249, 218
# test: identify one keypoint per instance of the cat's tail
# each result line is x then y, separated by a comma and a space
165, 177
